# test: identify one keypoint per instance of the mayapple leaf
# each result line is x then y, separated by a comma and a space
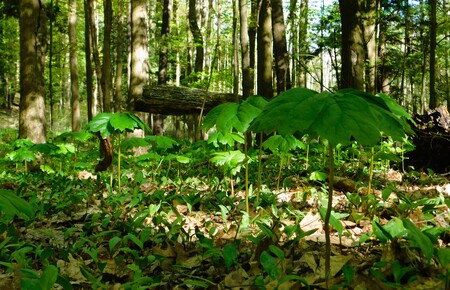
282, 143
81, 136
132, 142
21, 155
45, 148
339, 117
234, 116
109, 123
161, 142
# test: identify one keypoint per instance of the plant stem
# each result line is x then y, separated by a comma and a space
328, 213
247, 206
259, 165
369, 186
118, 164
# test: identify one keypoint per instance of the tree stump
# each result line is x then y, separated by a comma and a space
171, 100
432, 141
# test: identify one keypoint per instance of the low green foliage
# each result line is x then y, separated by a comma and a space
175, 223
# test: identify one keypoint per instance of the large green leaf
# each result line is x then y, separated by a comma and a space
340, 117
234, 116
109, 123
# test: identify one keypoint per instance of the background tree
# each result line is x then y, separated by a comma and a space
139, 51
33, 45
280, 47
198, 39
352, 52
91, 100
73, 51
107, 66
264, 51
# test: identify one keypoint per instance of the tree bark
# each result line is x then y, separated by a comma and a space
352, 52
264, 48
433, 32
107, 66
369, 23
303, 43
139, 51
95, 52
280, 47
158, 119
33, 24
91, 103
197, 35
73, 54
170, 100
247, 80
119, 58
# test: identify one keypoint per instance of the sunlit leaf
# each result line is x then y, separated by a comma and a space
419, 238
339, 118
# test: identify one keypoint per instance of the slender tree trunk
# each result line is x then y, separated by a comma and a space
352, 52
33, 25
433, 32
158, 119
252, 29
235, 50
264, 75
247, 80
95, 51
107, 66
303, 43
73, 53
50, 67
197, 35
91, 104
406, 51
119, 58
280, 47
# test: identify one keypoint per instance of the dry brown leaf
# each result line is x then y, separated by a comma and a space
235, 278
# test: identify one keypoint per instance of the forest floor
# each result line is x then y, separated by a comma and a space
184, 237
171, 225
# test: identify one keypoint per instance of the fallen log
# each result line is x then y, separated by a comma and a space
171, 100
432, 141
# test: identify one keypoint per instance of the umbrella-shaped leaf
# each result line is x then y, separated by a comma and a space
21, 155
230, 160
229, 139
74, 136
339, 117
126, 122
100, 123
133, 142
45, 148
161, 142
237, 116
282, 143
110, 123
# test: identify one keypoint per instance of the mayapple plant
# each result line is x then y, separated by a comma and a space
110, 124
342, 117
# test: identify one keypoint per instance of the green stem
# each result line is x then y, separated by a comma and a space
328, 213
247, 206
259, 165
118, 164
369, 186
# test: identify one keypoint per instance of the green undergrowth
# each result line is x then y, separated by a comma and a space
237, 211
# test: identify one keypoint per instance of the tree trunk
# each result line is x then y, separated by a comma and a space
433, 31
50, 66
303, 43
264, 74
95, 52
247, 80
139, 51
107, 66
158, 119
235, 50
352, 52
73, 53
370, 39
33, 23
91, 103
280, 47
197, 35
119, 58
